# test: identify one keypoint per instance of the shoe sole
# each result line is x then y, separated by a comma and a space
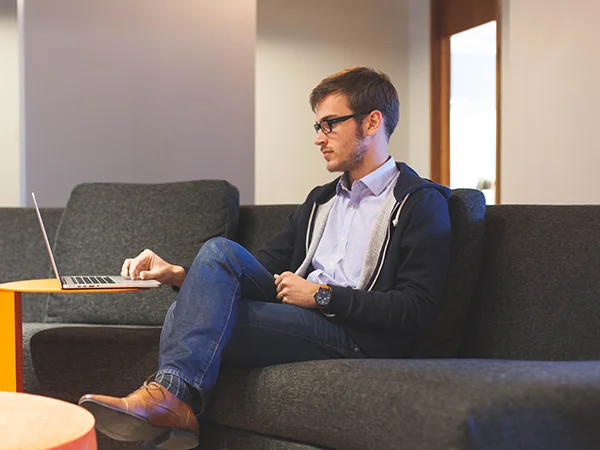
127, 427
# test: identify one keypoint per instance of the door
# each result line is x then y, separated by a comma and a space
465, 61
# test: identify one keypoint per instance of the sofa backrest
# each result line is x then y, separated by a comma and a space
259, 223
23, 255
445, 334
539, 291
105, 223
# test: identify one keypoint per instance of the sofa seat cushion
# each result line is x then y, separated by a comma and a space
217, 437
105, 223
416, 404
67, 361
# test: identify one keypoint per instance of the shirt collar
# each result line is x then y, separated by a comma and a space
376, 181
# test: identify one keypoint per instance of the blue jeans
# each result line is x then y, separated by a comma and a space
227, 312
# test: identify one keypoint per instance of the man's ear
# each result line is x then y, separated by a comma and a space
373, 122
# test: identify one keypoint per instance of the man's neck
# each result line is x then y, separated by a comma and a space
368, 166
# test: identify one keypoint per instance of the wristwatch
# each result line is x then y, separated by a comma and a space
323, 296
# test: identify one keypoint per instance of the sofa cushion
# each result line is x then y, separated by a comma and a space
445, 335
105, 223
260, 223
23, 255
415, 404
539, 293
68, 361
217, 437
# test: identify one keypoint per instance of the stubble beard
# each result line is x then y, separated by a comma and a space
356, 157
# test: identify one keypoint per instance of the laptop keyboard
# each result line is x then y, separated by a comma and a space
93, 280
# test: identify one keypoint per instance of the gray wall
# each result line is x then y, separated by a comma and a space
138, 91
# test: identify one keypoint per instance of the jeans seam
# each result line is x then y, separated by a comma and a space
325, 344
219, 340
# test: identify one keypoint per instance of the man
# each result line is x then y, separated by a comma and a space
357, 272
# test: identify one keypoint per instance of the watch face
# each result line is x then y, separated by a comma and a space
323, 296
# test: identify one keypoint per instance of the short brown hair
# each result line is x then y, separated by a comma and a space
366, 90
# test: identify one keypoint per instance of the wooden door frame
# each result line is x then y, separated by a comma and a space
444, 23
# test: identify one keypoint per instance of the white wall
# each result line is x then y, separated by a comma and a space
140, 91
419, 88
9, 105
550, 102
300, 43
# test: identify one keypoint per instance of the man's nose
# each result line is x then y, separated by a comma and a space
321, 138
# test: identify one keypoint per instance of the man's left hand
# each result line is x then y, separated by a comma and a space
295, 290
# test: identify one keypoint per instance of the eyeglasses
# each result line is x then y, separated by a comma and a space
326, 125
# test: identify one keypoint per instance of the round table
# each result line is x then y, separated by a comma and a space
32, 422
11, 331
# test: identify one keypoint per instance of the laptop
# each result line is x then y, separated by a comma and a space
87, 281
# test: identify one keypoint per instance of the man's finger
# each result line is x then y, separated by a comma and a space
282, 294
134, 268
125, 268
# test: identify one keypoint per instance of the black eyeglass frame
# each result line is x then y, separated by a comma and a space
331, 122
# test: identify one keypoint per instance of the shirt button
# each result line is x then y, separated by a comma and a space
343, 238
352, 208
330, 264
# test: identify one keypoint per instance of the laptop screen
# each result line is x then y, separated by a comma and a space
39, 215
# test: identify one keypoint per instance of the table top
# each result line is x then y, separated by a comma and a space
32, 422
51, 285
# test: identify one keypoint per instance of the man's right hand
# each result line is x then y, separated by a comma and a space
149, 266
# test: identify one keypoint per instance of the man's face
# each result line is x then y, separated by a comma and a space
344, 148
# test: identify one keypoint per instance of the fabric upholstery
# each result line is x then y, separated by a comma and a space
23, 255
414, 404
467, 216
216, 437
343, 404
539, 292
261, 223
537, 299
105, 223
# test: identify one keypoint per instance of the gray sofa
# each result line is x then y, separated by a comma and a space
508, 363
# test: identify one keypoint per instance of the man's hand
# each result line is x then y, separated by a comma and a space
295, 290
149, 266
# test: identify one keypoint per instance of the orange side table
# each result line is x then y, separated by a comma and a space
11, 330
32, 422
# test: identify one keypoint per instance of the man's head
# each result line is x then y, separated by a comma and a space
371, 101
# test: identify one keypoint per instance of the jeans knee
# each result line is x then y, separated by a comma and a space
218, 249
216, 245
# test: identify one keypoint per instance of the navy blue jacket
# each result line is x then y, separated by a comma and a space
405, 290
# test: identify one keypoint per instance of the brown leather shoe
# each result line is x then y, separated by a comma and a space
149, 414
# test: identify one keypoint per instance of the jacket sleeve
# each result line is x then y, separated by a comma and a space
422, 257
